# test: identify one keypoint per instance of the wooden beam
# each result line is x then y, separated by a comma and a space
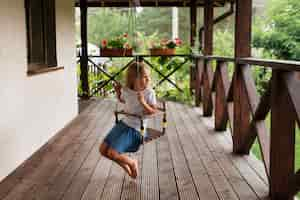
243, 22
84, 50
208, 27
282, 155
193, 22
99, 3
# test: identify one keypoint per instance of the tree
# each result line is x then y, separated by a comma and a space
106, 23
279, 33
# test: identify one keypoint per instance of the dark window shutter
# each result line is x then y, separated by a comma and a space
35, 35
50, 32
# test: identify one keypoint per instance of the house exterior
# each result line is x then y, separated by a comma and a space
34, 106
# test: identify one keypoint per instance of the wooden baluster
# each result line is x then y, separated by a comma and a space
199, 71
207, 94
282, 154
221, 88
241, 112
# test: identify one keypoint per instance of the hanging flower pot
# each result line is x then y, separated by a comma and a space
164, 47
118, 46
108, 52
162, 52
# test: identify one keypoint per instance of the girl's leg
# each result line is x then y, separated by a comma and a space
129, 165
122, 159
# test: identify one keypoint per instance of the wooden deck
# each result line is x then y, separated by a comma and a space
191, 161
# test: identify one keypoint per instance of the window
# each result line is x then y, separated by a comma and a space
41, 34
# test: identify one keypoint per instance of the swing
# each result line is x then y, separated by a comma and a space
150, 133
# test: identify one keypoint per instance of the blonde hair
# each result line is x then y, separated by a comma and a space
135, 71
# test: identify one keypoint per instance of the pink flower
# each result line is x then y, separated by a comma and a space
178, 41
103, 43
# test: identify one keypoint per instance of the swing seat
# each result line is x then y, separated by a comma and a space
152, 133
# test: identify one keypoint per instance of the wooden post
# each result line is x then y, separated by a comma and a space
242, 49
282, 152
193, 21
208, 50
84, 50
208, 27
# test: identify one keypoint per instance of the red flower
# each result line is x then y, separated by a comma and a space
103, 43
178, 41
125, 35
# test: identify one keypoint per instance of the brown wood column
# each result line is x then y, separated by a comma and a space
242, 49
84, 50
208, 27
208, 50
282, 152
193, 21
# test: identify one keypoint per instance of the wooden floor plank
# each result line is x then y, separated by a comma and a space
98, 180
16, 177
149, 184
113, 188
253, 180
167, 180
48, 158
82, 178
131, 187
58, 183
184, 178
218, 184
149, 188
233, 176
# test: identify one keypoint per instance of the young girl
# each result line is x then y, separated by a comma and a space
125, 136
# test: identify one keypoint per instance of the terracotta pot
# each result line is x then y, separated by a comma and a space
115, 52
162, 52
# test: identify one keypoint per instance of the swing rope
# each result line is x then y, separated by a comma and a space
132, 37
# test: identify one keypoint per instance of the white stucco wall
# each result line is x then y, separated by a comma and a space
33, 109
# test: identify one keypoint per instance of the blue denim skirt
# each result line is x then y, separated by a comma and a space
123, 138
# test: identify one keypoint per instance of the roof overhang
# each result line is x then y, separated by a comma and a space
151, 3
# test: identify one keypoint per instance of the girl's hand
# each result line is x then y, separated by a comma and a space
141, 98
117, 87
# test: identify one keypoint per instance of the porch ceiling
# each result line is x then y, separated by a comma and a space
150, 3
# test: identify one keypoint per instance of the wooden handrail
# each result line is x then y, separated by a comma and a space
274, 64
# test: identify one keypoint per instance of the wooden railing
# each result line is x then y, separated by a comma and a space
238, 103
96, 70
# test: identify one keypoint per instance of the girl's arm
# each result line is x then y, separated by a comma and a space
148, 109
118, 91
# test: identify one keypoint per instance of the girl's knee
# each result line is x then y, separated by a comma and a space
103, 149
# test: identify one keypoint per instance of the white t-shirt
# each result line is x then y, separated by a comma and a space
132, 105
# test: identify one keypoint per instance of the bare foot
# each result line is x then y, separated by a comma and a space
126, 168
134, 168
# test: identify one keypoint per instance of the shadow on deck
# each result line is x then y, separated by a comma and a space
191, 161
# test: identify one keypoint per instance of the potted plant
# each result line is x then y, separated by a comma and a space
118, 46
164, 47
